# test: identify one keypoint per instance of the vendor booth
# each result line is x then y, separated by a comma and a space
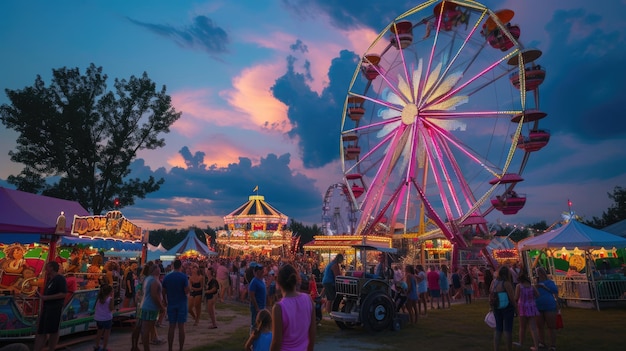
44, 221
584, 262
503, 250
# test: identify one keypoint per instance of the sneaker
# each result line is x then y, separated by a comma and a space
517, 344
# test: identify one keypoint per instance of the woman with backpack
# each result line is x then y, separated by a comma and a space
503, 308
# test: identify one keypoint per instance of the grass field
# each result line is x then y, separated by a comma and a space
460, 328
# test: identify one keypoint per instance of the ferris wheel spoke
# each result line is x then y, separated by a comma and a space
451, 63
465, 149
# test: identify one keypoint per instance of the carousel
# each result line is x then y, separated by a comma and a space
254, 227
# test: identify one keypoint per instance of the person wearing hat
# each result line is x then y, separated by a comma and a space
257, 292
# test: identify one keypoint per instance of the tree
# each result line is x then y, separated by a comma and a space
614, 213
305, 232
77, 140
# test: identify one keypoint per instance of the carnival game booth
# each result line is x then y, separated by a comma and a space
30, 226
39, 222
256, 227
576, 256
503, 250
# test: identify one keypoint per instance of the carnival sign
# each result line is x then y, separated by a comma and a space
113, 225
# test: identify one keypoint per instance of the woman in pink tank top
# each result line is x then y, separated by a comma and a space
294, 318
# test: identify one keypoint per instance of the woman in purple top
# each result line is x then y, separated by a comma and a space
294, 320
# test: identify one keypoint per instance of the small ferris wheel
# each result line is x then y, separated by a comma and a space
338, 212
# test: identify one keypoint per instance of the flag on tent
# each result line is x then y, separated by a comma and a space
256, 188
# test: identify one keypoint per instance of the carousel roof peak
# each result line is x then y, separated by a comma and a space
255, 209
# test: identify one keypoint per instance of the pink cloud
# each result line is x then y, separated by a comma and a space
252, 96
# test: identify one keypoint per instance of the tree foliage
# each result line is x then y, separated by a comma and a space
77, 139
615, 213
305, 232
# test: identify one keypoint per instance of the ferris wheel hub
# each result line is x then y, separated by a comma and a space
409, 114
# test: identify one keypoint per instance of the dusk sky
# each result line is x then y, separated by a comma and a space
261, 86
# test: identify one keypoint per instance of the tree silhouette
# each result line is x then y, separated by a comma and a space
77, 139
614, 213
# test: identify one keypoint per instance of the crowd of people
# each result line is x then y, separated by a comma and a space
286, 298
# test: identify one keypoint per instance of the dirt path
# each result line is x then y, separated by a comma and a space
229, 321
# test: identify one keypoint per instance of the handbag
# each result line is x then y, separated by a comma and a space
490, 319
559, 320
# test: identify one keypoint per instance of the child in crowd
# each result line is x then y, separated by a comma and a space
104, 316
261, 337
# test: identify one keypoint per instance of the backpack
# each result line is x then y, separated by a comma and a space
498, 300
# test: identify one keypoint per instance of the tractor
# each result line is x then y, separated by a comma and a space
364, 299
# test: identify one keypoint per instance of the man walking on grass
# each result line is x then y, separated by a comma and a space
175, 291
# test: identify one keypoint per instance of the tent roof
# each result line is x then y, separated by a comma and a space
618, 228
160, 248
256, 209
500, 243
190, 242
573, 234
22, 212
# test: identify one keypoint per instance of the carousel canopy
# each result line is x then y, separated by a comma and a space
191, 242
573, 234
22, 212
256, 210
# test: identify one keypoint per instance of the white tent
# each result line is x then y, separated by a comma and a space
573, 234
123, 254
160, 248
191, 242
587, 287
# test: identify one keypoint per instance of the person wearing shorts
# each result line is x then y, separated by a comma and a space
175, 291
53, 298
331, 271
152, 304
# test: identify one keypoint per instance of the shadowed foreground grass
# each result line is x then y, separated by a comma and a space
460, 328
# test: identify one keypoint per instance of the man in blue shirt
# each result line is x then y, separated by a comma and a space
257, 292
175, 291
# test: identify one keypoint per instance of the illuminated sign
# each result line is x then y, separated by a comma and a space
113, 225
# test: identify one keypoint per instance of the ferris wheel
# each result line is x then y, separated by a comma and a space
338, 212
440, 118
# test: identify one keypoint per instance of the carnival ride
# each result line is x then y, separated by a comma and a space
439, 122
338, 213
22, 274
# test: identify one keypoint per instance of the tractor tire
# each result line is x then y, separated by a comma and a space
343, 306
377, 312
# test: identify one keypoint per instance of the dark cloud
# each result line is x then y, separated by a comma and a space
214, 191
299, 46
195, 161
346, 14
584, 81
202, 33
316, 117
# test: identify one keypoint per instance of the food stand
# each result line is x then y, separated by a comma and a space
570, 253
